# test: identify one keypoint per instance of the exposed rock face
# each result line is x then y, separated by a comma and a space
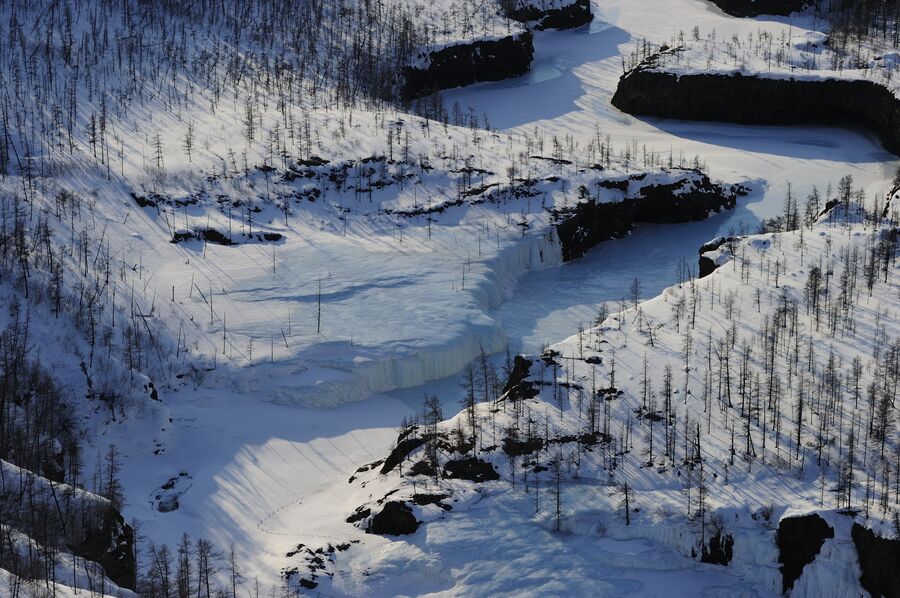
464, 64
720, 549
517, 385
879, 560
211, 235
359, 514
424, 467
165, 498
682, 201
568, 17
111, 544
515, 447
713, 244
762, 101
403, 448
799, 540
432, 499
395, 519
167, 504
706, 265
472, 469
753, 8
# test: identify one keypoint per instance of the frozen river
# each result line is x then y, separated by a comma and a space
568, 92
270, 476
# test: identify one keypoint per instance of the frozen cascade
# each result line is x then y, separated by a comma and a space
354, 378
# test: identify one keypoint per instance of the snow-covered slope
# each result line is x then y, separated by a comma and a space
281, 263
718, 408
77, 540
226, 224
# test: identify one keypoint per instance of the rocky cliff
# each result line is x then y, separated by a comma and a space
464, 64
762, 101
567, 17
109, 541
753, 8
879, 561
686, 200
799, 540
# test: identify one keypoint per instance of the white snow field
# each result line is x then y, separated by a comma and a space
286, 364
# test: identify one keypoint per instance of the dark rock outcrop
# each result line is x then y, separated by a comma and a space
799, 540
720, 549
111, 545
464, 64
706, 265
879, 561
403, 448
515, 447
395, 519
210, 235
713, 244
358, 515
517, 385
167, 504
166, 496
471, 468
754, 8
755, 100
568, 17
432, 499
372, 465
424, 467
686, 200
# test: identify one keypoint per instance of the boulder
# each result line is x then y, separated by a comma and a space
394, 519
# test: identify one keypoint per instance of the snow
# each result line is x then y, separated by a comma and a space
781, 478
70, 572
452, 22
837, 565
569, 89
798, 49
269, 446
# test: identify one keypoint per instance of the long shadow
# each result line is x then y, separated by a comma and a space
552, 86
239, 449
855, 145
